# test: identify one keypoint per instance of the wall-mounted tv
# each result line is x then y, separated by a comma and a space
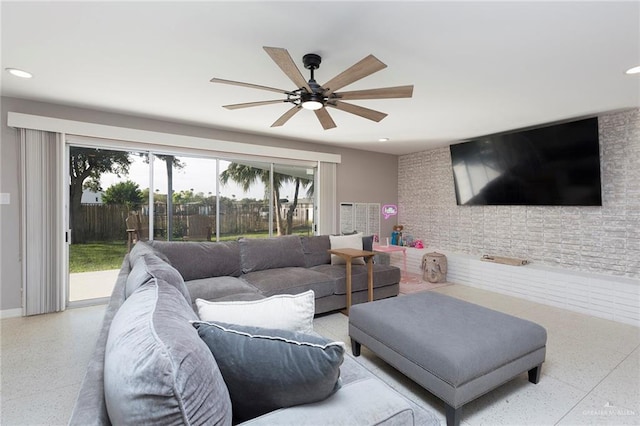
555, 165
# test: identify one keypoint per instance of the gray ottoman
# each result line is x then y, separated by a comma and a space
456, 350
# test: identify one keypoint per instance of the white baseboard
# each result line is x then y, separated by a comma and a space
10, 313
604, 296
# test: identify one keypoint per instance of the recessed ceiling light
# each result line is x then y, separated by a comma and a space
383, 140
634, 70
19, 73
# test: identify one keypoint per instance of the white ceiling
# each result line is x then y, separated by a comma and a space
477, 67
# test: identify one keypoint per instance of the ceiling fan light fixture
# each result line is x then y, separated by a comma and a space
312, 105
312, 101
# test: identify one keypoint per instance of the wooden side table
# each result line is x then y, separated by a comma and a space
348, 254
392, 249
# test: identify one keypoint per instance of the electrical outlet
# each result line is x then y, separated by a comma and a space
5, 198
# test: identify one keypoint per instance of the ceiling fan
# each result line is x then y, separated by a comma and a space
312, 96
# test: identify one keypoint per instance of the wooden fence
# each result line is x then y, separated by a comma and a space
102, 222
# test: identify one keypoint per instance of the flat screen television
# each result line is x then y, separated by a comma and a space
556, 165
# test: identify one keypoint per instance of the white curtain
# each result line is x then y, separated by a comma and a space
326, 202
42, 227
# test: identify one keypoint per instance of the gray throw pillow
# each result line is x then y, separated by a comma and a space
267, 369
141, 248
156, 368
258, 254
149, 266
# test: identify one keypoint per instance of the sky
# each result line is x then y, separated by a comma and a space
198, 174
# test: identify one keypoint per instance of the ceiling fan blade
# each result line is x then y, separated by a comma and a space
286, 116
325, 119
383, 93
365, 67
252, 86
282, 58
367, 113
253, 104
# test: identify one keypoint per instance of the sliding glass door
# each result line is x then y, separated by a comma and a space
294, 186
184, 198
118, 197
106, 188
244, 199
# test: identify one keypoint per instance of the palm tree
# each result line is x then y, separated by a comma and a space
245, 176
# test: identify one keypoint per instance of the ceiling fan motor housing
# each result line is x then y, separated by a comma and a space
312, 62
312, 97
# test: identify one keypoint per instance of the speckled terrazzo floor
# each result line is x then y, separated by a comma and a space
591, 376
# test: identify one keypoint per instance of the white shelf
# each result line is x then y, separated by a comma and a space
604, 296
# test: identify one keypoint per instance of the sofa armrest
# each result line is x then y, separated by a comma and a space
363, 402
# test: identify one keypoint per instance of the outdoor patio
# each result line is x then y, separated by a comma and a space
91, 285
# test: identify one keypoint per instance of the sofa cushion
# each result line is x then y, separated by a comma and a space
258, 254
148, 266
195, 260
292, 312
267, 369
364, 402
217, 287
346, 241
156, 368
315, 249
290, 281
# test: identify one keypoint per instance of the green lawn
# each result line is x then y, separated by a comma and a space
96, 256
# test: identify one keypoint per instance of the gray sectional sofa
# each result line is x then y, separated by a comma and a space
151, 367
254, 268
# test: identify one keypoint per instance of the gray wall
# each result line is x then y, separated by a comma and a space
593, 239
10, 295
355, 184
362, 176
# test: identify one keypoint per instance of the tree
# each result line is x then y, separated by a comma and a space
127, 193
170, 161
85, 168
245, 176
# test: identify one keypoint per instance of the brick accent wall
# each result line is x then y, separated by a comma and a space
603, 239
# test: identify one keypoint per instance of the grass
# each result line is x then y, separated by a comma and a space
104, 255
264, 234
96, 256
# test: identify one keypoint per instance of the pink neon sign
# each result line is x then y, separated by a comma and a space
389, 210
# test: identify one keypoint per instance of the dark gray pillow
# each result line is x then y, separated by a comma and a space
367, 243
156, 368
257, 254
267, 369
196, 260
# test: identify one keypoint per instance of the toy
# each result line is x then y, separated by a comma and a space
418, 244
396, 235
